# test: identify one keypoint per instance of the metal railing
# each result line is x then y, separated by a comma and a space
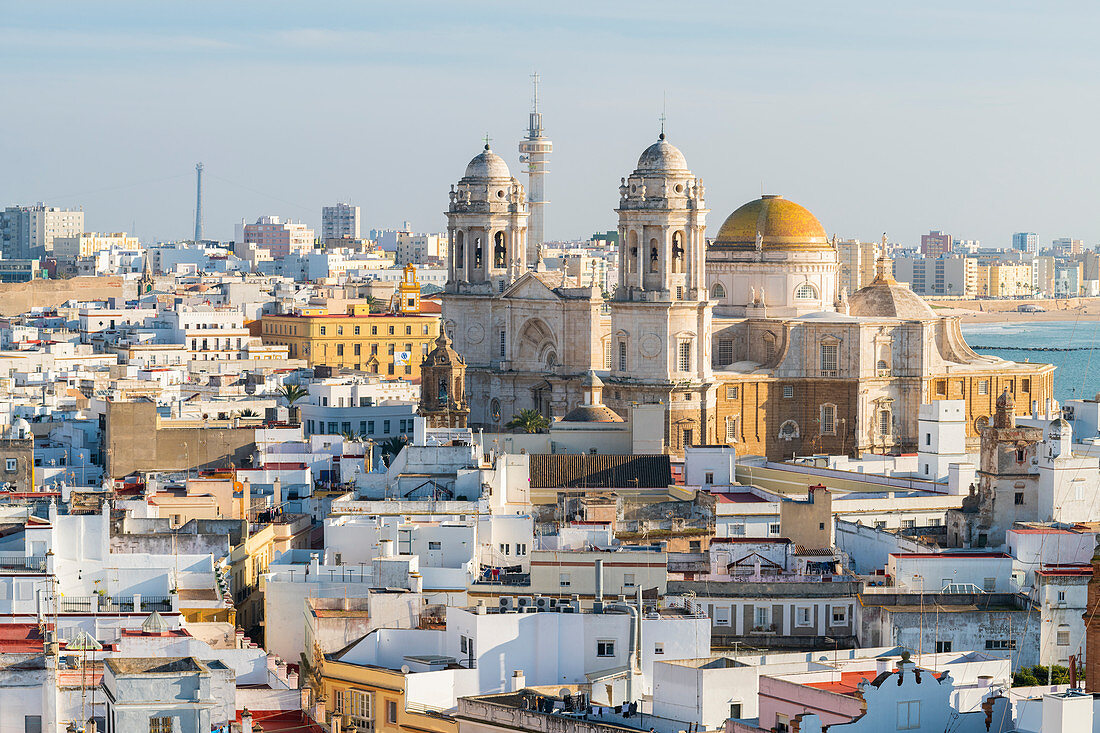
22, 564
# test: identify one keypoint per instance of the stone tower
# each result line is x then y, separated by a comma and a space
661, 315
486, 228
443, 386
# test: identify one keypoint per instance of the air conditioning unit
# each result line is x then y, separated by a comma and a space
507, 604
525, 602
543, 603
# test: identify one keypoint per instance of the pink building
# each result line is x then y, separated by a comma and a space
280, 238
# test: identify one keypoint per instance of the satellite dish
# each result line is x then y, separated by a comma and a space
404, 669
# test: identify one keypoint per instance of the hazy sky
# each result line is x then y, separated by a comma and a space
979, 118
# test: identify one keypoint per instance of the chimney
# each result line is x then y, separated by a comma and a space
519, 680
882, 664
246, 721
599, 585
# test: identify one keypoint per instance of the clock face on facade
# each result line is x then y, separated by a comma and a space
475, 333
650, 346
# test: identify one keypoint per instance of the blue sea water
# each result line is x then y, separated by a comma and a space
1077, 353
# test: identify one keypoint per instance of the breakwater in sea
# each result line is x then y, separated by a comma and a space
1068, 345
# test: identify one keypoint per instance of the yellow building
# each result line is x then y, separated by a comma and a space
249, 559
390, 344
1004, 281
373, 698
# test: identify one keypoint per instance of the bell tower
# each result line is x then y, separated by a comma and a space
443, 386
486, 227
661, 314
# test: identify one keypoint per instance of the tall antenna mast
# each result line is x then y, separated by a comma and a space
535, 151
198, 202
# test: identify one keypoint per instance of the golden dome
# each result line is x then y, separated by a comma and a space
781, 224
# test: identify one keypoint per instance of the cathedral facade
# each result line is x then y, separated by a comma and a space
747, 339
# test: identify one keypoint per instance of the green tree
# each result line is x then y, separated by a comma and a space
528, 421
374, 304
390, 447
292, 393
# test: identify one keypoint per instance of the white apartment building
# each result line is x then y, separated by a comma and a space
418, 249
339, 222
29, 231
368, 407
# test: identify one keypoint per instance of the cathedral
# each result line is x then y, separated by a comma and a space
746, 339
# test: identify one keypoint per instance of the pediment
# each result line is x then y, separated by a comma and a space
530, 287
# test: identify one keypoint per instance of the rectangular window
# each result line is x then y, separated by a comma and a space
435, 545
989, 584
658, 647
679, 292
943, 647
983, 386
731, 429
345, 427
564, 580
424, 329
391, 330
773, 529
803, 616
725, 352
339, 349
1025, 385
1063, 637
374, 349
160, 725
358, 349
1019, 500
788, 392
622, 356
684, 362
1000, 644
391, 348
374, 330
357, 330
761, 617
941, 387
884, 422
503, 347
322, 330
358, 709
385, 427
735, 710
829, 359
628, 580
607, 354
391, 711
9, 464
339, 330
909, 715
828, 419
605, 648
708, 478
521, 549
370, 427
840, 616
732, 392
505, 549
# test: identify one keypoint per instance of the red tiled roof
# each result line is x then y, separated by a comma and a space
846, 685
1065, 570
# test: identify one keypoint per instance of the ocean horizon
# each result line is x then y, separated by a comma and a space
1071, 346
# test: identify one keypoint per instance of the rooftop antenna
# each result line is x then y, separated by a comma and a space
198, 202
663, 117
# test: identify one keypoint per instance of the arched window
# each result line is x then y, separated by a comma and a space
882, 368
678, 252
828, 419
653, 255
551, 360
769, 347
443, 390
477, 252
632, 259
805, 291
788, 430
498, 249
718, 292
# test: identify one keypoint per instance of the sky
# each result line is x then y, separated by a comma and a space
976, 118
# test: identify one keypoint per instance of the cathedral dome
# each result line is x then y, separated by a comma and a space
661, 156
487, 164
780, 224
887, 298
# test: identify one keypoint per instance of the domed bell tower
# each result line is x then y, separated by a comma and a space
660, 316
486, 228
443, 386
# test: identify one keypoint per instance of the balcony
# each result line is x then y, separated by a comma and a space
22, 565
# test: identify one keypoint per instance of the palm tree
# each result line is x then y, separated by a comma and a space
292, 393
248, 413
374, 304
390, 447
528, 421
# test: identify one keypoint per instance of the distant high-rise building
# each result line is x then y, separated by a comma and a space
935, 243
1025, 241
857, 263
27, 232
1067, 246
339, 222
280, 238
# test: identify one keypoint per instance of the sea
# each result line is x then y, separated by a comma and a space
1072, 346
